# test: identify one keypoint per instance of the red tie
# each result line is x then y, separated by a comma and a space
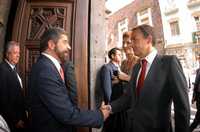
141, 77
62, 74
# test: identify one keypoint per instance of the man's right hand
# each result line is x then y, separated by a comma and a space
105, 109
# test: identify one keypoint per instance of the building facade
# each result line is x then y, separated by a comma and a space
136, 13
181, 27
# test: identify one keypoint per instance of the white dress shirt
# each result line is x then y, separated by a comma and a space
149, 58
54, 60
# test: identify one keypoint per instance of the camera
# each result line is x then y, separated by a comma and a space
116, 73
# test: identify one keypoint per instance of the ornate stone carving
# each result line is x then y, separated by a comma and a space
42, 18
32, 56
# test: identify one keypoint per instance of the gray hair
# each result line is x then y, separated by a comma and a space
10, 44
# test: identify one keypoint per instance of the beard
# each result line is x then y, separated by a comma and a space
62, 55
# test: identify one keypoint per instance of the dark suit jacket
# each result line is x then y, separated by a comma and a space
12, 106
151, 111
70, 81
51, 107
197, 82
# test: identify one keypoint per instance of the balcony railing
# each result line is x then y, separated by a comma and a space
193, 3
171, 10
196, 37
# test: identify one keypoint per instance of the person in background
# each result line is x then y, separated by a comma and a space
50, 104
70, 81
129, 62
156, 81
112, 89
11, 90
131, 59
196, 98
71, 84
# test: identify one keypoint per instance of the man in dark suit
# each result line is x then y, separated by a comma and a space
50, 105
12, 106
155, 82
196, 98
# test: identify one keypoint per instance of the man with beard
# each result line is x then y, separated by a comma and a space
50, 105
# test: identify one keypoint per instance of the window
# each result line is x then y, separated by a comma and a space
197, 20
145, 20
174, 28
144, 17
122, 27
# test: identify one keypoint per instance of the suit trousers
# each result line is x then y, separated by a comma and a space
196, 121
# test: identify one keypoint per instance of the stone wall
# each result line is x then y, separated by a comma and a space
97, 45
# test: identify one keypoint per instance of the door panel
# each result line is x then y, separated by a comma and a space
34, 17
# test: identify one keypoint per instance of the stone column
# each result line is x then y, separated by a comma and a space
97, 44
4, 12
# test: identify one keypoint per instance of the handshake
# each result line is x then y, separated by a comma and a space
106, 110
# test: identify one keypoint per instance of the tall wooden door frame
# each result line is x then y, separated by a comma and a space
79, 42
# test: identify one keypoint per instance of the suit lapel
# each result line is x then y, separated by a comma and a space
133, 84
12, 73
52, 65
8, 66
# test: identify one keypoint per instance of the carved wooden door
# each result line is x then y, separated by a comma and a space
35, 16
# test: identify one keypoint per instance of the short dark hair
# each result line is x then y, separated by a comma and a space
51, 34
112, 52
146, 31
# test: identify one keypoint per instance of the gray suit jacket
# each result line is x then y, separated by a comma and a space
107, 73
151, 111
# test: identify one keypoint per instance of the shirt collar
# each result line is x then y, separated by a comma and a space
150, 57
55, 61
11, 65
114, 63
117, 65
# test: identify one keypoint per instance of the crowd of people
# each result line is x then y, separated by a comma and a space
137, 91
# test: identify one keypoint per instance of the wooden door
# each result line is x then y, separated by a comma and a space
33, 17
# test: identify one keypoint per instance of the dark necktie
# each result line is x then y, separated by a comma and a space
14, 69
141, 77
